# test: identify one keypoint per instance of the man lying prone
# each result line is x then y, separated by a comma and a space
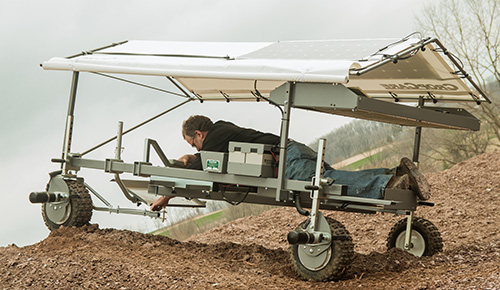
201, 133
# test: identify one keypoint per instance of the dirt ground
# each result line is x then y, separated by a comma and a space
250, 253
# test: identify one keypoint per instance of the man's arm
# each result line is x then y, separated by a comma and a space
187, 159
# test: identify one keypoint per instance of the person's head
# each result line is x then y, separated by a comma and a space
194, 130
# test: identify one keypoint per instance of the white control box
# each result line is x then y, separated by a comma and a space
251, 159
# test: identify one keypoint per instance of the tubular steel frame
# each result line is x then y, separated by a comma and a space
421, 45
277, 191
168, 180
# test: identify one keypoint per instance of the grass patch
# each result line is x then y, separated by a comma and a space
209, 219
166, 233
362, 163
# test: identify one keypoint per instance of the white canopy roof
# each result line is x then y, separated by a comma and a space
221, 70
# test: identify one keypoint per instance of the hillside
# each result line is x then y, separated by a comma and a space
249, 253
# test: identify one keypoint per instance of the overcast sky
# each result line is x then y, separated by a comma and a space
34, 102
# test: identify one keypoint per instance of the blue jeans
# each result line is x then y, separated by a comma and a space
301, 165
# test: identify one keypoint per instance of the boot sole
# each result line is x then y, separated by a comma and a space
417, 180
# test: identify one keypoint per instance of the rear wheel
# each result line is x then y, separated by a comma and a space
332, 261
425, 237
74, 211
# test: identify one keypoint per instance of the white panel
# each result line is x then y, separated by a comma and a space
222, 71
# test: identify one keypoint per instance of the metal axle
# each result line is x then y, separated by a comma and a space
303, 237
43, 197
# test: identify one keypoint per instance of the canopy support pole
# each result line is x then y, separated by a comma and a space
68, 131
142, 85
135, 127
285, 126
418, 134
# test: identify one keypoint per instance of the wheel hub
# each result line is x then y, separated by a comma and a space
314, 257
417, 243
58, 212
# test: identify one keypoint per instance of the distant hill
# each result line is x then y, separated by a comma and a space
357, 137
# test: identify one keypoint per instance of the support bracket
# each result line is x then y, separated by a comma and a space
109, 165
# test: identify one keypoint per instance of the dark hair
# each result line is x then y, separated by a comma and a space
195, 122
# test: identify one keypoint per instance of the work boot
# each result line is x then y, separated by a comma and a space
399, 182
418, 183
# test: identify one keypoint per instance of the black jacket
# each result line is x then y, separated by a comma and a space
222, 132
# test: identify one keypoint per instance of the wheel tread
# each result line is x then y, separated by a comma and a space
81, 207
433, 239
343, 253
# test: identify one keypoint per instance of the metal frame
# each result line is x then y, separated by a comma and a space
329, 98
317, 186
318, 194
173, 180
68, 131
421, 45
285, 126
340, 100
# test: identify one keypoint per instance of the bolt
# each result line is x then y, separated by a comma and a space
311, 251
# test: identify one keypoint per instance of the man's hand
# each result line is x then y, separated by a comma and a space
187, 159
160, 203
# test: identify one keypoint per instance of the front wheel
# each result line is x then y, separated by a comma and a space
332, 261
425, 237
74, 211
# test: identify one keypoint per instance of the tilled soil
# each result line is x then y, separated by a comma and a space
251, 253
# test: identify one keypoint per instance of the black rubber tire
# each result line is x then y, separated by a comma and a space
340, 260
80, 208
428, 231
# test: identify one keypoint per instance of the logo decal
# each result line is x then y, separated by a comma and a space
213, 165
412, 86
